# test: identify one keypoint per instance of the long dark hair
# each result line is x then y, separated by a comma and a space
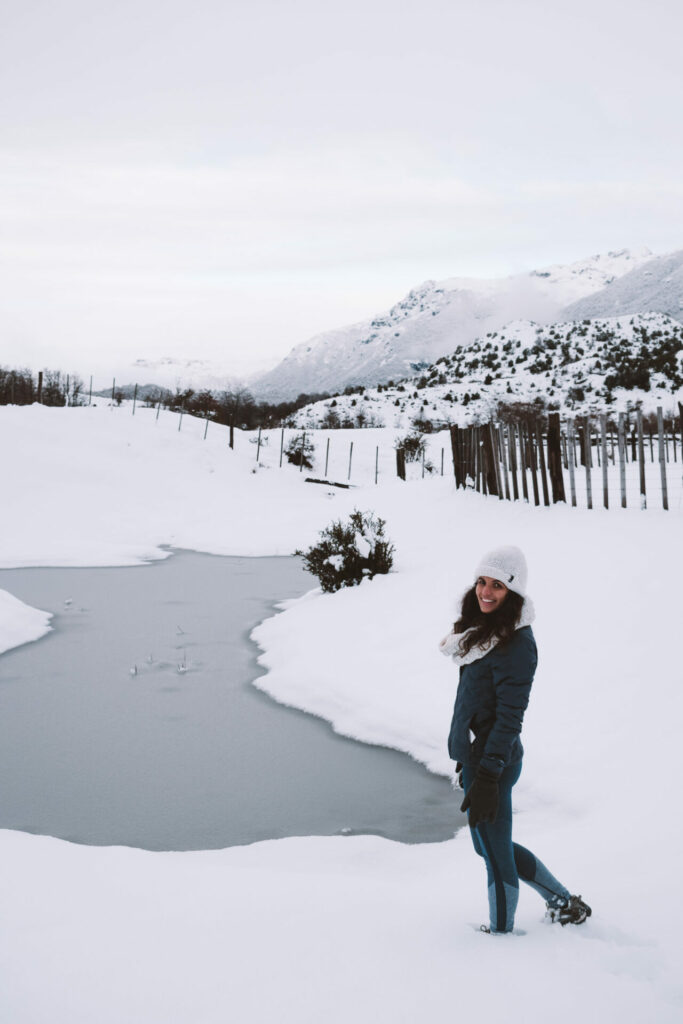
499, 625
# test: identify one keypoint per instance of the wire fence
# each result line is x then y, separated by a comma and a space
579, 461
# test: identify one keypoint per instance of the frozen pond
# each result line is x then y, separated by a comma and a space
135, 722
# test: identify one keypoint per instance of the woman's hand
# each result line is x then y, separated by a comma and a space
482, 798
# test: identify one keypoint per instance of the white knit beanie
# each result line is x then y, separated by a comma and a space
506, 564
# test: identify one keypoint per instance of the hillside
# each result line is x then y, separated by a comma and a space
579, 366
433, 319
656, 286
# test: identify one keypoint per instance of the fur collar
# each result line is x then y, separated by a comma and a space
450, 645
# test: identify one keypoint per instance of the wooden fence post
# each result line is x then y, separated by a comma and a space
571, 451
489, 459
641, 459
476, 459
258, 445
493, 433
135, 398
301, 454
376, 462
621, 439
662, 456
603, 445
555, 457
541, 457
513, 460
532, 462
455, 453
587, 462
350, 458
327, 455
523, 460
501, 442
400, 463
282, 444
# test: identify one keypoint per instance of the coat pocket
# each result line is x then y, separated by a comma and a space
480, 727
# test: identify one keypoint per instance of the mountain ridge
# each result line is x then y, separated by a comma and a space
432, 319
576, 367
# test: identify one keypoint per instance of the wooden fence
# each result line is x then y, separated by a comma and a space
526, 461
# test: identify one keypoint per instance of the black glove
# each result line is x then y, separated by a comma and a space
482, 798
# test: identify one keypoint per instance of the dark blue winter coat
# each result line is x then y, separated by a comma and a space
493, 693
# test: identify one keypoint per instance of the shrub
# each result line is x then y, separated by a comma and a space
349, 552
300, 450
414, 445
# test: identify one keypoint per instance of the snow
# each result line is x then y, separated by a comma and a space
20, 624
313, 929
421, 326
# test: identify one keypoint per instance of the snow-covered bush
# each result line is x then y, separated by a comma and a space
414, 445
300, 449
349, 552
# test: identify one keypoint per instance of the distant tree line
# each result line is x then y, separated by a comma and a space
234, 406
22, 387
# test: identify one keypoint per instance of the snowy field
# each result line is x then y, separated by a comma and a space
362, 928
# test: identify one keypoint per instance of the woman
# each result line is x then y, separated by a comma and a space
495, 650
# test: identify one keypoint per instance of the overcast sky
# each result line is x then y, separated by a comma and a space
222, 180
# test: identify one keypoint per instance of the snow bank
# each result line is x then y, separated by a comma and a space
602, 731
99, 486
302, 931
19, 623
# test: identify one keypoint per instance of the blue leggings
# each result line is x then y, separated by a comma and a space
507, 862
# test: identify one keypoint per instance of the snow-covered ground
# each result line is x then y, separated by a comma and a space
362, 928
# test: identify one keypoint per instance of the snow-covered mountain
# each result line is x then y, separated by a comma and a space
581, 366
433, 319
655, 286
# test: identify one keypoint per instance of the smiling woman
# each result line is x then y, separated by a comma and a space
490, 593
494, 648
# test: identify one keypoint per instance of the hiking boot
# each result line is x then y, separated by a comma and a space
571, 911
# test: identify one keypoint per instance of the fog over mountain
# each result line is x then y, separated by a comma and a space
437, 316
654, 287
